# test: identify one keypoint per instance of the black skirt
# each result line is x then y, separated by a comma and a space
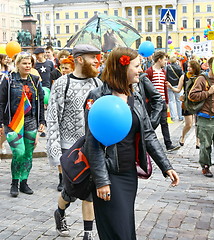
115, 219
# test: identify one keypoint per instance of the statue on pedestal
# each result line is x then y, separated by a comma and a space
24, 38
27, 8
37, 39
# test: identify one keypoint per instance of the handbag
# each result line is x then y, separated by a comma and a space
76, 170
140, 172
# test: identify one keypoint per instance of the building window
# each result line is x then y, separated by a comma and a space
209, 8
76, 28
57, 16
149, 26
67, 15
160, 26
138, 43
3, 22
170, 27
58, 43
129, 12
184, 21
139, 11
38, 17
67, 29
139, 26
185, 38
197, 23
47, 30
148, 38
106, 12
95, 12
197, 8
197, 38
76, 15
47, 16
149, 11
159, 11
159, 42
4, 36
184, 9
115, 12
209, 21
85, 14
57, 29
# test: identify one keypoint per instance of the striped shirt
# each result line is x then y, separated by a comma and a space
158, 81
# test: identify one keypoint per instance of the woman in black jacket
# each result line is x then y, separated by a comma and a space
21, 113
113, 168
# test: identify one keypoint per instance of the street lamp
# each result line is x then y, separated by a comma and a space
50, 41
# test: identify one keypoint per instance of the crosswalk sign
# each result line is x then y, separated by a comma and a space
167, 15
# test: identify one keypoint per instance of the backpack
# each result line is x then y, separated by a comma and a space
190, 106
76, 171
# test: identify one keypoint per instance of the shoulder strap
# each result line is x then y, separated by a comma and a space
67, 85
95, 81
173, 71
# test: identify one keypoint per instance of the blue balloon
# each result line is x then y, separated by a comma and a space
146, 49
109, 120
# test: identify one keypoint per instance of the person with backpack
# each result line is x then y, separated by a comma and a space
22, 115
113, 167
203, 89
65, 124
192, 73
157, 75
173, 74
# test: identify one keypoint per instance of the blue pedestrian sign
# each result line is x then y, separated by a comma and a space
168, 15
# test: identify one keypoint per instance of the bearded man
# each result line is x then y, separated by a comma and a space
65, 125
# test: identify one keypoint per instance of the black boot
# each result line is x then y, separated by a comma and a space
24, 187
60, 186
14, 190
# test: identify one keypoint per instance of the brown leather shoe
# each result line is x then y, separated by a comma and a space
206, 172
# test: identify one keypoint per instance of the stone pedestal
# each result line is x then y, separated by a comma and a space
29, 23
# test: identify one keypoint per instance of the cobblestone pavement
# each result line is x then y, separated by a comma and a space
162, 212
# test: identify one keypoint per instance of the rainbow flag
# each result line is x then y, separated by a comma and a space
17, 123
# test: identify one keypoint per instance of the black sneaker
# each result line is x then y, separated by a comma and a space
24, 188
172, 148
61, 225
206, 172
43, 134
88, 235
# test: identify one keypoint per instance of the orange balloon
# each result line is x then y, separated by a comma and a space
12, 48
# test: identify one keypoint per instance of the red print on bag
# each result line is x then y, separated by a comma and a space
89, 104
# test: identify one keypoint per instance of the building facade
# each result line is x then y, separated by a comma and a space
62, 19
10, 15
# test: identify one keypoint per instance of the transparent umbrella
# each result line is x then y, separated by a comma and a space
106, 32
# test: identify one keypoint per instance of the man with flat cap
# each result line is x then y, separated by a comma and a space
65, 125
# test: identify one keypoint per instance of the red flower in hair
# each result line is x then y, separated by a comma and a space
124, 60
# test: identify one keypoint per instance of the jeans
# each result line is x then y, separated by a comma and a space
174, 98
205, 128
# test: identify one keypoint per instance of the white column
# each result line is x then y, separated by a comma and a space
52, 23
153, 19
123, 12
143, 18
43, 29
133, 16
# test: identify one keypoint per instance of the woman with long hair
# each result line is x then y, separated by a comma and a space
193, 70
113, 168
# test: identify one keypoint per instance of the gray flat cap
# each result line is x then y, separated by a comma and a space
39, 50
81, 49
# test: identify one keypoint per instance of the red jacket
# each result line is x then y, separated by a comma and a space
150, 71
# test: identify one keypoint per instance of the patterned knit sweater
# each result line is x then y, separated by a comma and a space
65, 117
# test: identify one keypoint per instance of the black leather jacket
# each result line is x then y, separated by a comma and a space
173, 76
10, 98
104, 159
152, 99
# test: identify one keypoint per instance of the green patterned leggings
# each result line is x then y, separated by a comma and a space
22, 151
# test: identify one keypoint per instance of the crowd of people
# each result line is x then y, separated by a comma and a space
149, 86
